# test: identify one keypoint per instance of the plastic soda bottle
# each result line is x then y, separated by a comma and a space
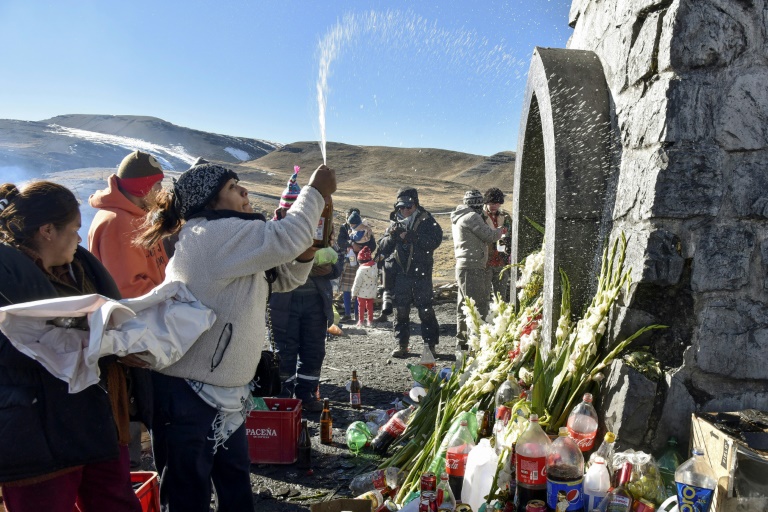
445, 498
438, 461
381, 479
530, 464
597, 481
427, 358
358, 435
696, 483
605, 451
565, 474
421, 374
459, 447
582, 424
668, 463
507, 392
391, 431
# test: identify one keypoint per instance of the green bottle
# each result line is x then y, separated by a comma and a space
421, 374
668, 463
358, 435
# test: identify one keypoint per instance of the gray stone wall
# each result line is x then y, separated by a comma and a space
689, 85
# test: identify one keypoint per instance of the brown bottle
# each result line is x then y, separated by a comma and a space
619, 499
324, 225
354, 392
326, 424
486, 427
305, 447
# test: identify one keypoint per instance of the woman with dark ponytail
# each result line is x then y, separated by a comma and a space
229, 258
57, 448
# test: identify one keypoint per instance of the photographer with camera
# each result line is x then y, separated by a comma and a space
498, 253
408, 250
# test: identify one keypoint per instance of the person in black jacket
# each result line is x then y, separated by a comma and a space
408, 251
300, 321
57, 447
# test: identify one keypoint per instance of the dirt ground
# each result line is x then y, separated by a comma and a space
285, 488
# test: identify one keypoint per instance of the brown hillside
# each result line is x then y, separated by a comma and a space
369, 176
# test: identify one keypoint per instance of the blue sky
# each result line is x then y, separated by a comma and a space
444, 74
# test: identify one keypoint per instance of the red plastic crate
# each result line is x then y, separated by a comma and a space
273, 436
149, 491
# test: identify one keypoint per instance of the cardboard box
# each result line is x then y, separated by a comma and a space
342, 505
735, 445
273, 436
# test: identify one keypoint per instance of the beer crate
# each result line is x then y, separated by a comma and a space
273, 436
147, 490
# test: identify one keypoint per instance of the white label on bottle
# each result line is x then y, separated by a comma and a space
319, 229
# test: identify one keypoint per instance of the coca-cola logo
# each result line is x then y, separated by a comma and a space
261, 432
452, 464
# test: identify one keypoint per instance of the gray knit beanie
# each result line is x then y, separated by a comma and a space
473, 198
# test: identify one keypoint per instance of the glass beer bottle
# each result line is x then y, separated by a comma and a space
326, 424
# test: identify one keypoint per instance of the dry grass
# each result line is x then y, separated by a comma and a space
369, 176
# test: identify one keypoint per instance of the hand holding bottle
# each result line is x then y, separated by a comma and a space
323, 180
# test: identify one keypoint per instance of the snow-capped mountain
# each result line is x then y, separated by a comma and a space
62, 143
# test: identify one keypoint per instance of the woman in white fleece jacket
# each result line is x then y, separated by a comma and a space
228, 257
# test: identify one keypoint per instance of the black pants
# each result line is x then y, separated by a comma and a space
184, 453
301, 344
411, 291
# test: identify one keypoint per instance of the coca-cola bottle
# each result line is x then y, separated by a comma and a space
530, 464
582, 424
459, 447
381, 479
391, 431
565, 474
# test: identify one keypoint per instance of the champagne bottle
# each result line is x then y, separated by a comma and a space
324, 226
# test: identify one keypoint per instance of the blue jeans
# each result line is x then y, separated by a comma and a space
184, 454
301, 344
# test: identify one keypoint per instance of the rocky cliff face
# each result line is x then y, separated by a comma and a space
688, 83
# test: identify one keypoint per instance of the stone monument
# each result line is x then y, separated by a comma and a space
654, 122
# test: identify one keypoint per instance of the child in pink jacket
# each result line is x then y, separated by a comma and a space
365, 285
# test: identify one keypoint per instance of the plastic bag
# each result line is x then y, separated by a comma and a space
645, 481
326, 255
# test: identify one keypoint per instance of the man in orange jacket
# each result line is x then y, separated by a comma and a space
122, 206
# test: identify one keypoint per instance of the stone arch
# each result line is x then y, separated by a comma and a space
561, 173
